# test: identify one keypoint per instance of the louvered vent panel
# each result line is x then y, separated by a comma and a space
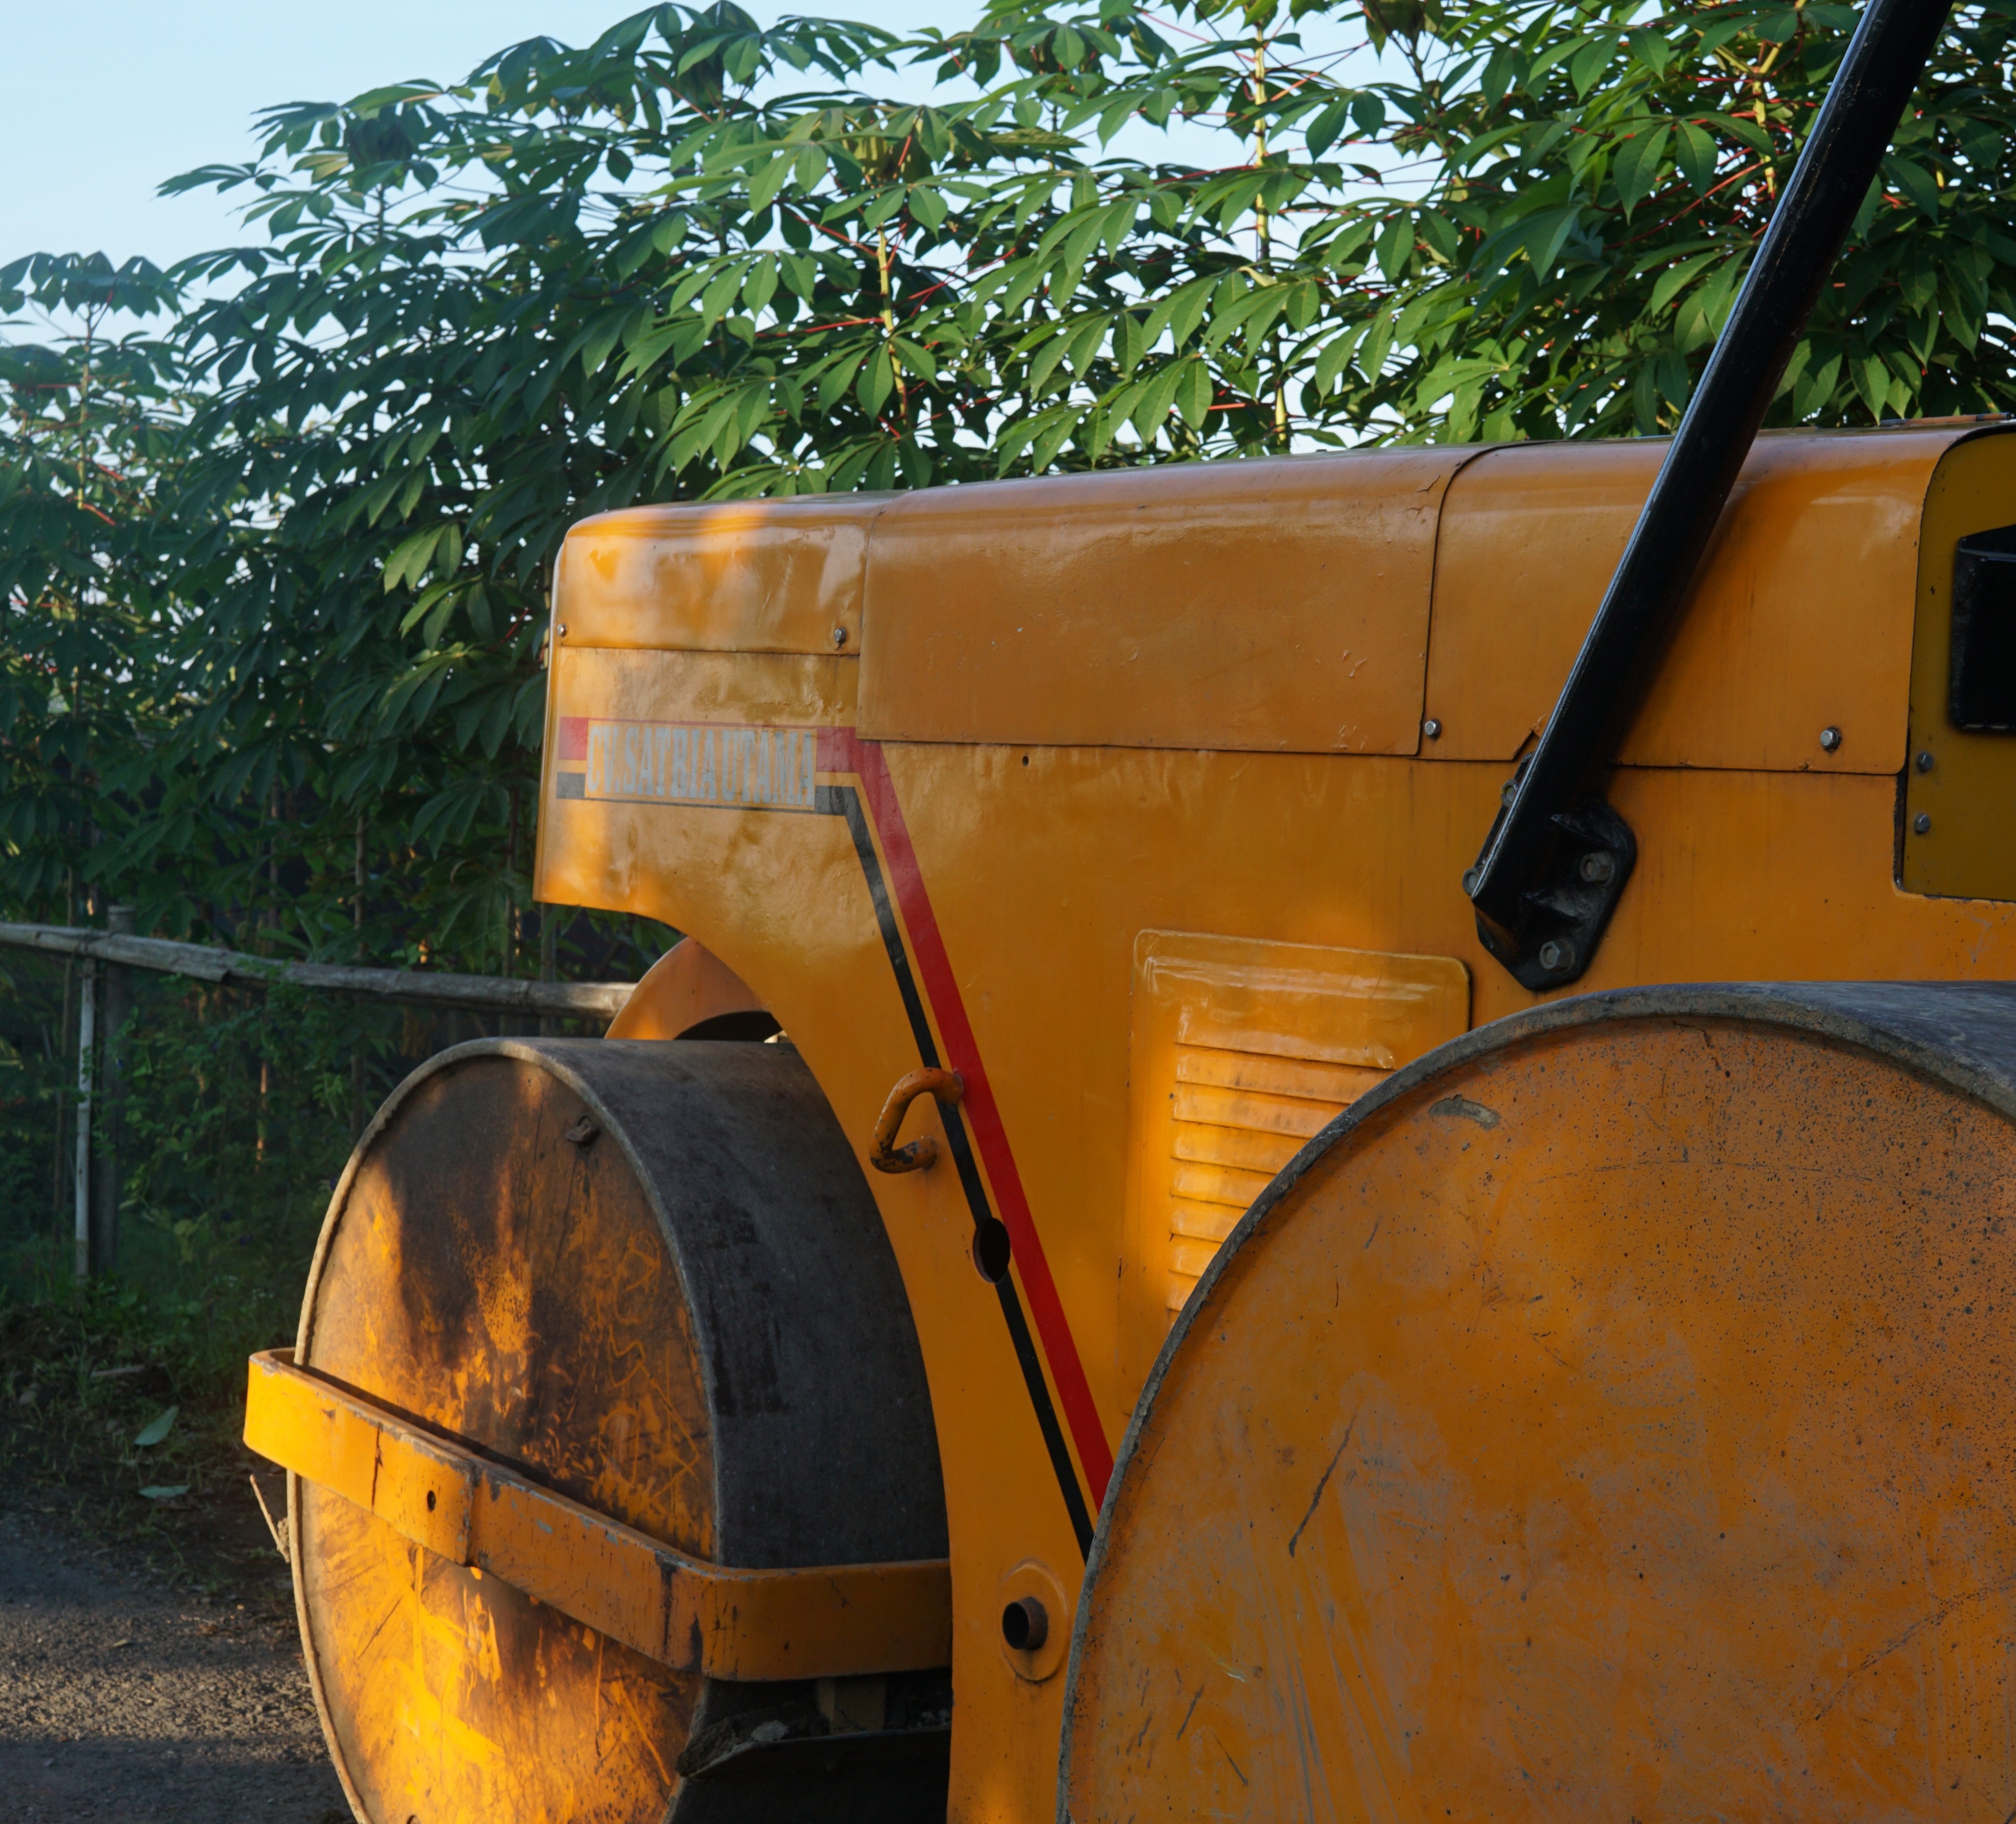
1242, 1050
1237, 1118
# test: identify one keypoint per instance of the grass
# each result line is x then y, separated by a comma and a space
87, 1372
234, 1135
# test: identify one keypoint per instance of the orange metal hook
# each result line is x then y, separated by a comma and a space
947, 1086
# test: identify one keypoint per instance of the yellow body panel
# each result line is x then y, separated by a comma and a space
986, 892
781, 577
1963, 784
686, 988
1268, 604
1793, 626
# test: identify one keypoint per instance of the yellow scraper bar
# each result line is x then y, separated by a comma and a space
827, 1622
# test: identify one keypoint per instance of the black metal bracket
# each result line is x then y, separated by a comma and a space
1568, 909
1532, 900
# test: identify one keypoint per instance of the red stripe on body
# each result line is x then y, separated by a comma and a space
570, 738
841, 750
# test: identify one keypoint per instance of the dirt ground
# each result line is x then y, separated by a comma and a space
123, 1697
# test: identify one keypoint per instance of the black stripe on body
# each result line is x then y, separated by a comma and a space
845, 801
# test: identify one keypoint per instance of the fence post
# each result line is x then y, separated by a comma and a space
64, 1033
107, 1177
357, 1110
549, 934
87, 1037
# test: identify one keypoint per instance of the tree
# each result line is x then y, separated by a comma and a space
701, 258
1526, 218
90, 430
410, 391
275, 574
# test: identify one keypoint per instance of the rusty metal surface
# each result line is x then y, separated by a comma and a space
944, 1086
649, 1278
1607, 1417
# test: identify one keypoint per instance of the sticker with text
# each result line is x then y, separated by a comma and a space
684, 763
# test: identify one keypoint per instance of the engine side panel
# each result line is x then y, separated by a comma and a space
1040, 867
1800, 621
978, 903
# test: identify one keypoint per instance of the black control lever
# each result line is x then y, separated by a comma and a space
1555, 863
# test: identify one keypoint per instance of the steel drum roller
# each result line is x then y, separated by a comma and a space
1609, 1417
648, 1278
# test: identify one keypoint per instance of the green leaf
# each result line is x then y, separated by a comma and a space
1048, 353
1559, 53
800, 275
1193, 393
1815, 388
1640, 163
1178, 313
1155, 400
836, 379
1547, 233
1334, 358
413, 557
1653, 49
1741, 127
163, 1491
1083, 342
915, 358
760, 284
1693, 149
721, 292
156, 1429
764, 187
1378, 343
1589, 62
878, 381
1129, 343
1673, 278
1324, 130
1395, 248
1439, 232
1917, 183
1873, 382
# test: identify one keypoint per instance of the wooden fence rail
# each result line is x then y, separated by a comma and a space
410, 987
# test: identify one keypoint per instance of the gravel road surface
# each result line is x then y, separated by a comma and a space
121, 1701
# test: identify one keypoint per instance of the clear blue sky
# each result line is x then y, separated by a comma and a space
106, 99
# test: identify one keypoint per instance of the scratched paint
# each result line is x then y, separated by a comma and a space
1647, 1453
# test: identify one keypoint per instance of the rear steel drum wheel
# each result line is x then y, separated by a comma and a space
1611, 1416
650, 1275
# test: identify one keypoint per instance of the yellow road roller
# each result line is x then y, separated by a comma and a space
1124, 1268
